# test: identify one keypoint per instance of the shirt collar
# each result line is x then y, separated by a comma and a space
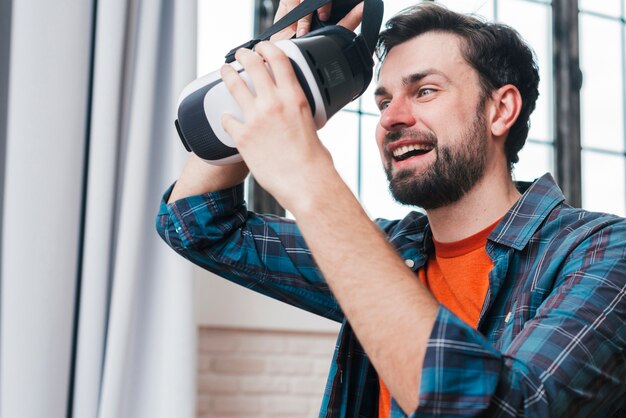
524, 218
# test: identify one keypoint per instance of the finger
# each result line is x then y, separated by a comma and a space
353, 18
304, 25
257, 71
286, 33
324, 12
284, 7
232, 126
279, 63
287, 84
237, 87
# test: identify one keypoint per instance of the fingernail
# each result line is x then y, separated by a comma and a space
323, 16
301, 32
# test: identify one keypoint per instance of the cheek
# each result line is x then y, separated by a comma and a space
380, 139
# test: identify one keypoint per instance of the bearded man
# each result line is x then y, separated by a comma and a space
496, 302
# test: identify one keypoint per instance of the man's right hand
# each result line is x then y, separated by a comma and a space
303, 26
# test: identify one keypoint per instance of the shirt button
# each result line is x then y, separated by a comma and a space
409, 263
508, 317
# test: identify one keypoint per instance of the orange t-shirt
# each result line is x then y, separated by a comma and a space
458, 277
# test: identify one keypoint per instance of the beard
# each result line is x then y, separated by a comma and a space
456, 169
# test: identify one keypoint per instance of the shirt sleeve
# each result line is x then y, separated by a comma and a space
264, 253
568, 360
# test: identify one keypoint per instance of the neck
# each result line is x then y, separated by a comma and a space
489, 200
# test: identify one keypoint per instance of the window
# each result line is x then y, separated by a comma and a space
220, 29
602, 60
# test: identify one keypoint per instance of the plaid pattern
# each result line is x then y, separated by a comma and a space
551, 340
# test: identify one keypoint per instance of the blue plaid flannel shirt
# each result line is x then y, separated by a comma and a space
551, 340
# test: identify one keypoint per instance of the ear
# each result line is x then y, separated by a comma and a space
507, 105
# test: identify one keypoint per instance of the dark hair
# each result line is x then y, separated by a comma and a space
496, 51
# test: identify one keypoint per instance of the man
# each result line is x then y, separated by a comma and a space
493, 303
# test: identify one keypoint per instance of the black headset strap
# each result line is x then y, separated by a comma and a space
305, 8
372, 19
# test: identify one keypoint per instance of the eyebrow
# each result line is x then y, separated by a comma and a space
412, 78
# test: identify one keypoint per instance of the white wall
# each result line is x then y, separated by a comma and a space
222, 304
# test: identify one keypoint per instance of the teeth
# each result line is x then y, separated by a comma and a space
398, 152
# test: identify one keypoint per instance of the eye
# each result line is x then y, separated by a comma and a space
425, 91
383, 104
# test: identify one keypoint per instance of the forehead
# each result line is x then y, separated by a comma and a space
439, 51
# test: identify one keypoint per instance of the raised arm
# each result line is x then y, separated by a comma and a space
199, 177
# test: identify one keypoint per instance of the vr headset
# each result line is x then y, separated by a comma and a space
332, 64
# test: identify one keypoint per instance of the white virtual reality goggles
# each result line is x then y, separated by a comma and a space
333, 65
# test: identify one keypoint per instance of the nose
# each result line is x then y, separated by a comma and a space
396, 115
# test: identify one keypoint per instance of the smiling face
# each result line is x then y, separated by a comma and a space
432, 134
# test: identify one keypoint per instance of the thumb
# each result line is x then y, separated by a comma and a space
231, 126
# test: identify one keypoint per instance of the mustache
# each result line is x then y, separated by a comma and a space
424, 137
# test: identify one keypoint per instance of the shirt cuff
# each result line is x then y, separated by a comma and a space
203, 216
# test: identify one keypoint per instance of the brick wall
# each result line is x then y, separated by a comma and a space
261, 374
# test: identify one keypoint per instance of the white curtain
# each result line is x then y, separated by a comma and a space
97, 315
